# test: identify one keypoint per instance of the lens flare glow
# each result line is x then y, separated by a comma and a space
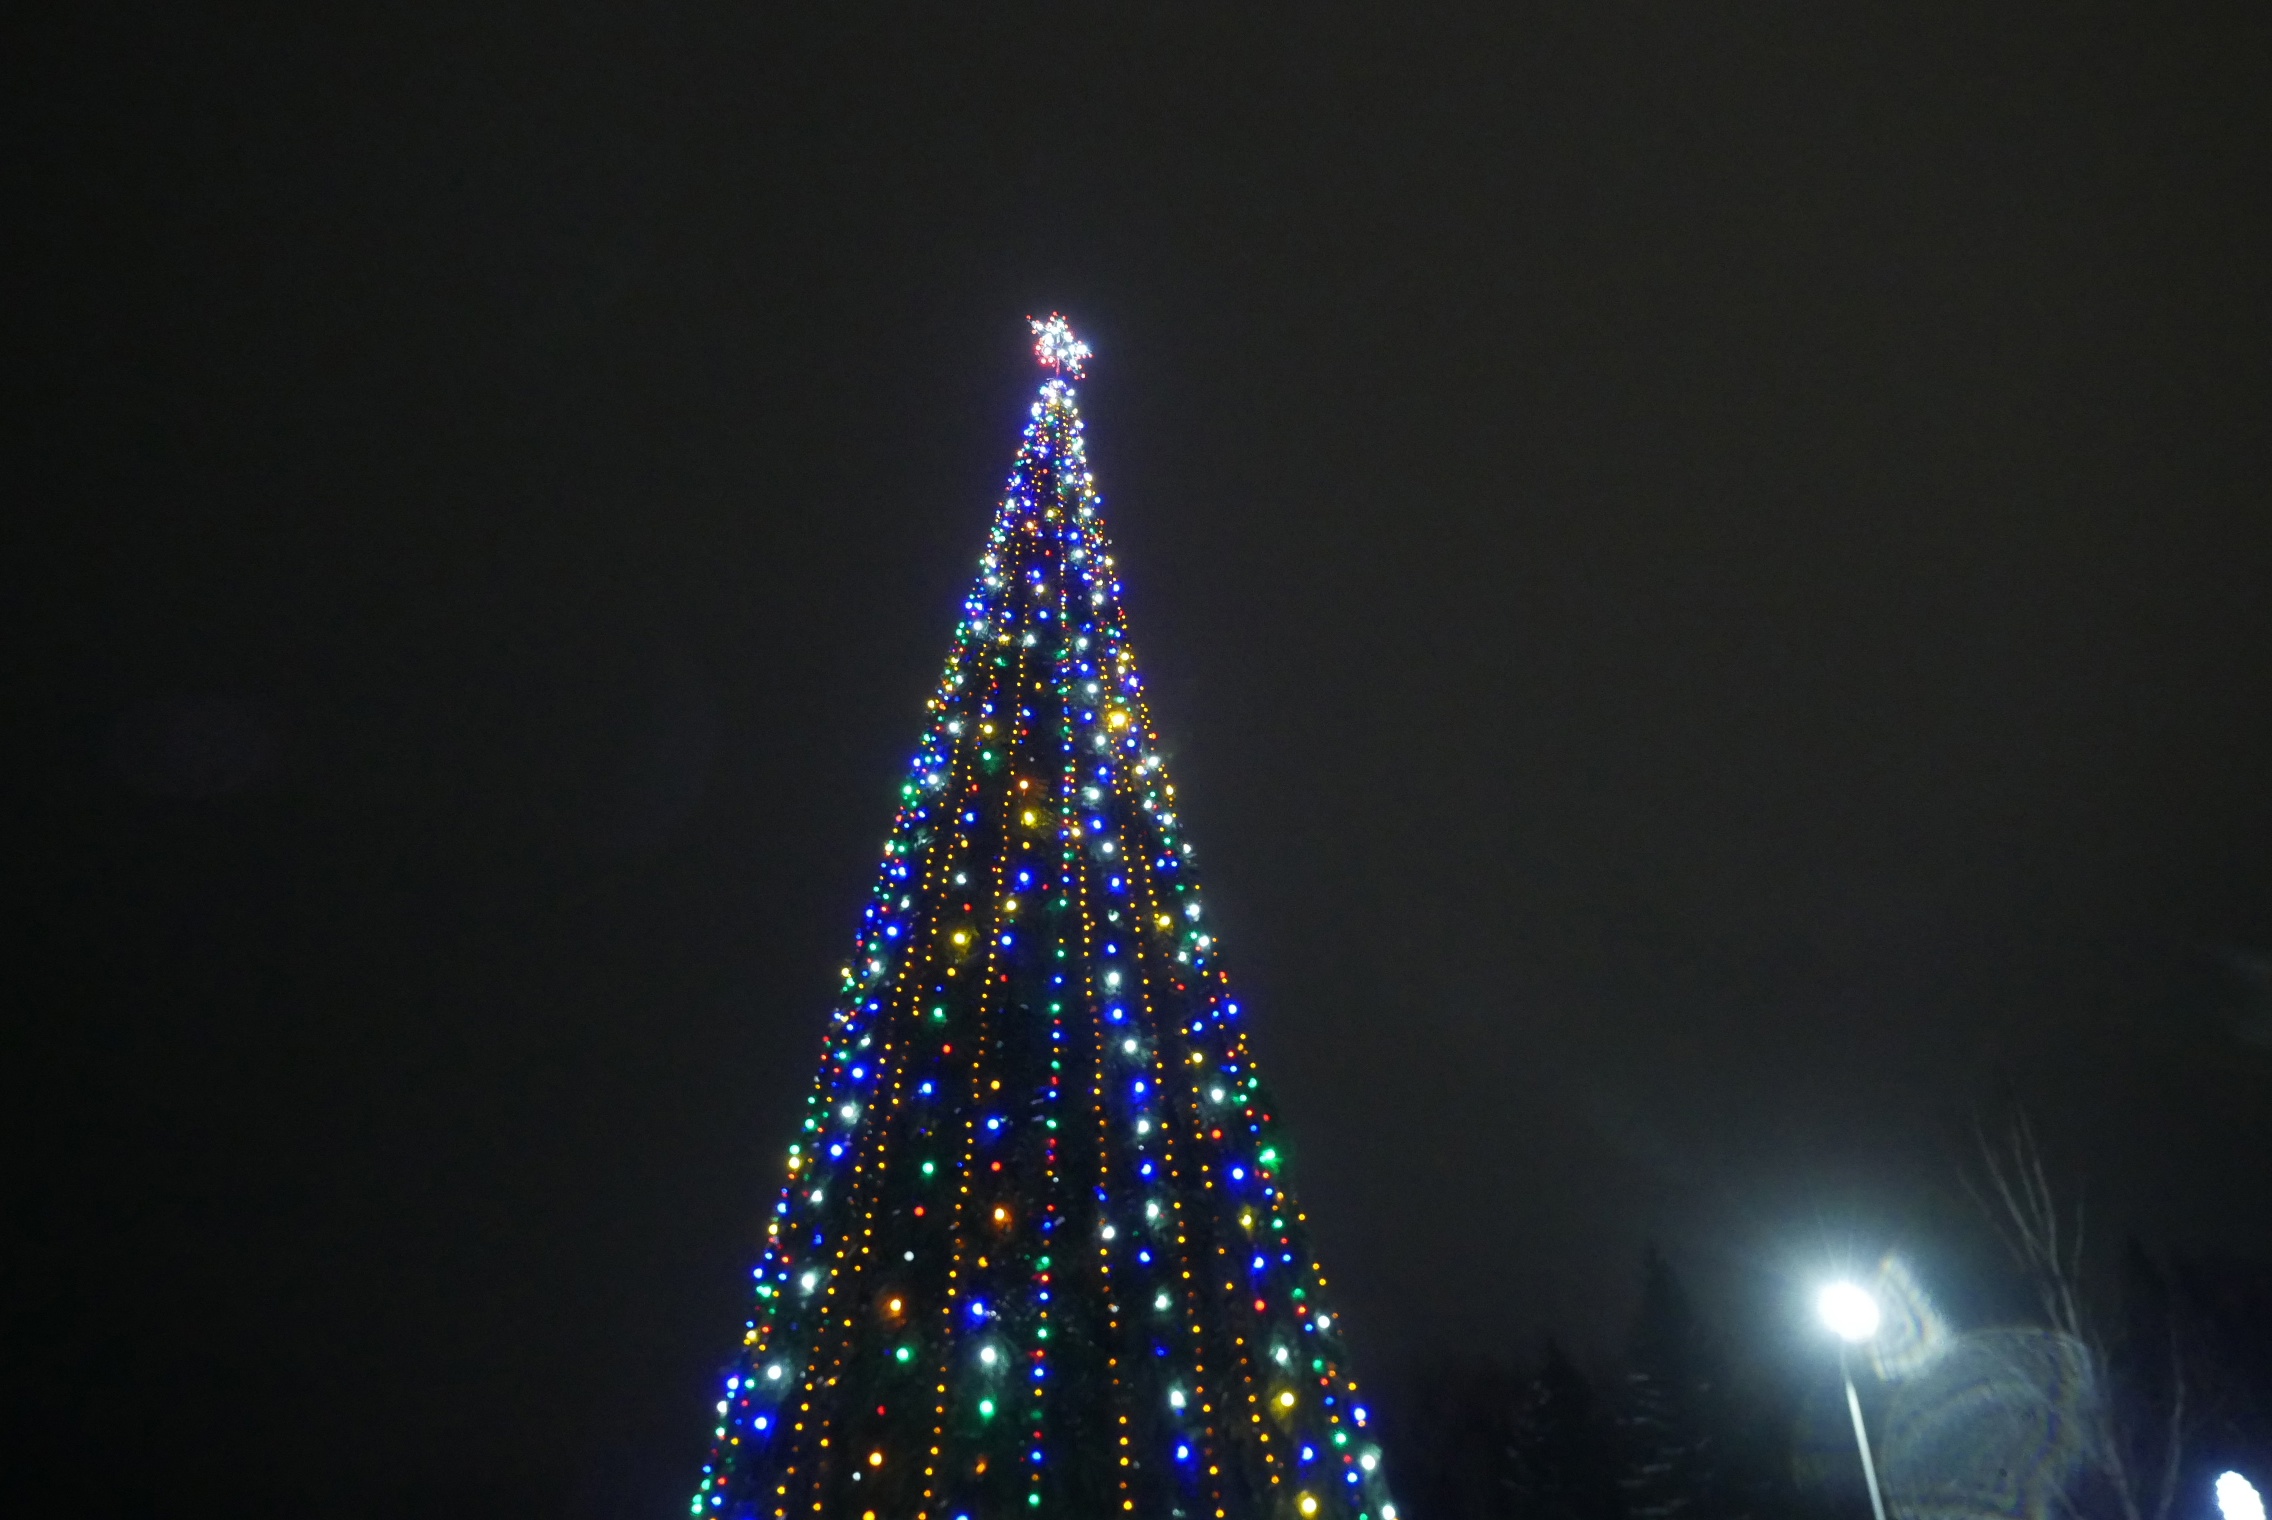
2237, 1498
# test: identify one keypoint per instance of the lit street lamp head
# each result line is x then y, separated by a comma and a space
1849, 1311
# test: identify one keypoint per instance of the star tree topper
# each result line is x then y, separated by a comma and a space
1055, 345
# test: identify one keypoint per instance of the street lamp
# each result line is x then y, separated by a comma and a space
1852, 1316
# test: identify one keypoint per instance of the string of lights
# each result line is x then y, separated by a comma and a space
1035, 1254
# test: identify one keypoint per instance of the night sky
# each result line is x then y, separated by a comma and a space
1704, 572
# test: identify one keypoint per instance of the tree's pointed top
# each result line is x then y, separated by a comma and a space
1056, 347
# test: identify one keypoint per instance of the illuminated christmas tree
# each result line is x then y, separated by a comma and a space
1035, 1255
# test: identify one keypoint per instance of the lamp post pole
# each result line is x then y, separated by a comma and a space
1861, 1434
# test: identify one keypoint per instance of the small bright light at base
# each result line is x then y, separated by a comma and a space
2237, 1498
1851, 1313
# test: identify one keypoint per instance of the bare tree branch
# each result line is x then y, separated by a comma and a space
2015, 1193
2173, 1437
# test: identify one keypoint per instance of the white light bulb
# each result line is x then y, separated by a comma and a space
1848, 1310
2237, 1498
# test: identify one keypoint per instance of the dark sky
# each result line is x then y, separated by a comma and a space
1704, 567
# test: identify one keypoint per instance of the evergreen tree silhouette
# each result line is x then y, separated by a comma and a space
1560, 1463
1670, 1408
1458, 1430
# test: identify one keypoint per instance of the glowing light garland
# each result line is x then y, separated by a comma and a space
1035, 1255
